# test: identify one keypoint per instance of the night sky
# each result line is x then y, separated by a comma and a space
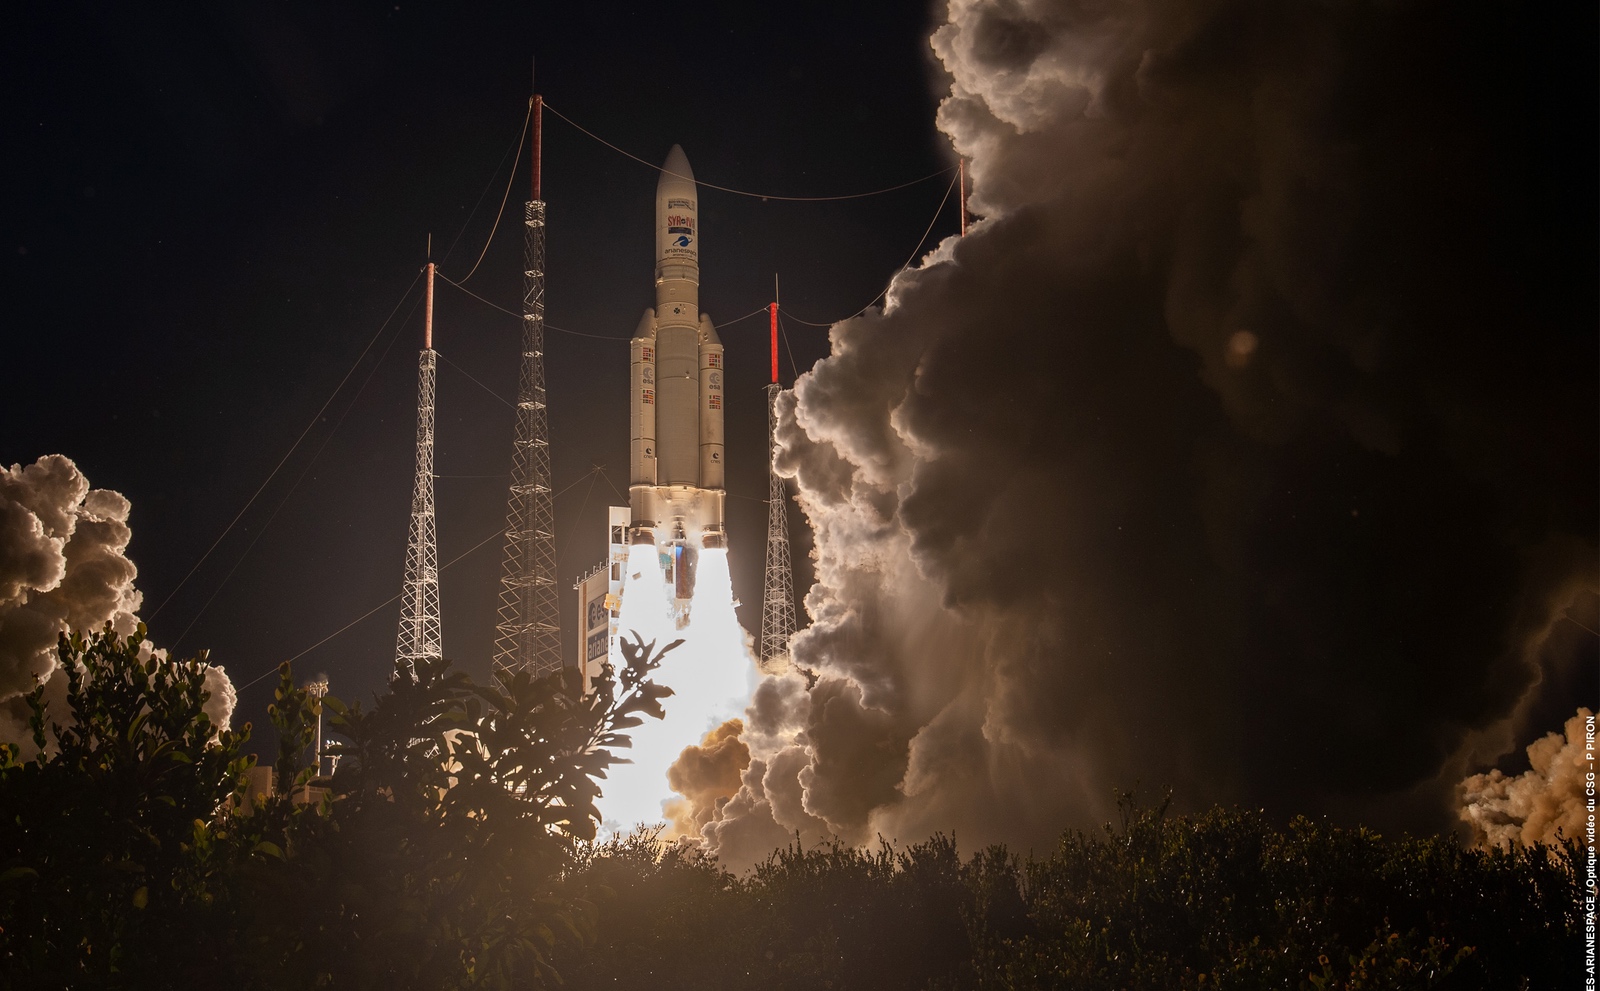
211, 213
1247, 447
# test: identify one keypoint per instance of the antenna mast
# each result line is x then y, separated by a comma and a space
777, 594
529, 628
420, 632
961, 176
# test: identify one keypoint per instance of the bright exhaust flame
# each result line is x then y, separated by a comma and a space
710, 676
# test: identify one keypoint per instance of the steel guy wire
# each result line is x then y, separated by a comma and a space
392, 599
292, 448
260, 532
510, 179
746, 192
486, 187
918, 250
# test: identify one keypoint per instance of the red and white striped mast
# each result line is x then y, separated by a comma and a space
961, 167
421, 636
777, 595
530, 625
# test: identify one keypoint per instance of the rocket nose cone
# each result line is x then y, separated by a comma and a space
676, 168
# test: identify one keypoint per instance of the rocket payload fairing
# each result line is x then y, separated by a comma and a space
675, 490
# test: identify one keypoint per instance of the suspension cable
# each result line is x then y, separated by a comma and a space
262, 530
503, 199
915, 251
292, 448
563, 330
397, 596
746, 192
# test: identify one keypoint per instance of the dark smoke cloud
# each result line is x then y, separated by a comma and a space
1246, 447
64, 566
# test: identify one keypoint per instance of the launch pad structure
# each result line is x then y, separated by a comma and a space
529, 630
777, 588
420, 636
676, 494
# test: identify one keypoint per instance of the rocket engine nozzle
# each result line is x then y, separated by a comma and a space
642, 533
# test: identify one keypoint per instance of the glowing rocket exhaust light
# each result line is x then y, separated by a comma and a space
710, 676
676, 582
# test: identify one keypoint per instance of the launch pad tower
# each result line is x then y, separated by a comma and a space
420, 636
777, 593
530, 621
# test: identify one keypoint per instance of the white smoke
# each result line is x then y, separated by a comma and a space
64, 566
1543, 804
1176, 471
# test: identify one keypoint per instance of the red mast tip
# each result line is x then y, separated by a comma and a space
962, 178
772, 308
427, 318
536, 107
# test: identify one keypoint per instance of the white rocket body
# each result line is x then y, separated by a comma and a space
676, 450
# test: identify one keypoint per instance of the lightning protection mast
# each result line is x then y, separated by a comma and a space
419, 611
777, 594
529, 629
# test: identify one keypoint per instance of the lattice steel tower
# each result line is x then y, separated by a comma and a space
419, 611
530, 622
777, 594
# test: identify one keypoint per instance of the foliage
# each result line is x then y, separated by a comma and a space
454, 850
457, 809
129, 860
107, 837
1222, 899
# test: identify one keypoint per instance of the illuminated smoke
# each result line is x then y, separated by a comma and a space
706, 776
64, 566
1541, 804
1233, 450
709, 674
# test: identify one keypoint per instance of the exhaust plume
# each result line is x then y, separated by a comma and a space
1244, 447
1543, 804
705, 775
64, 566
696, 745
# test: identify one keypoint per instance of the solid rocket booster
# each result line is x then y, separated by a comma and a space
676, 380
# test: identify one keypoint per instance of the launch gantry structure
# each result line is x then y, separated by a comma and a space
420, 632
777, 594
530, 623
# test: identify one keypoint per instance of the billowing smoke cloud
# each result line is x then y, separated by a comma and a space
1246, 447
706, 776
63, 566
1543, 804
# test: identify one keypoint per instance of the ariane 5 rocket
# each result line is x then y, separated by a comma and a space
675, 490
